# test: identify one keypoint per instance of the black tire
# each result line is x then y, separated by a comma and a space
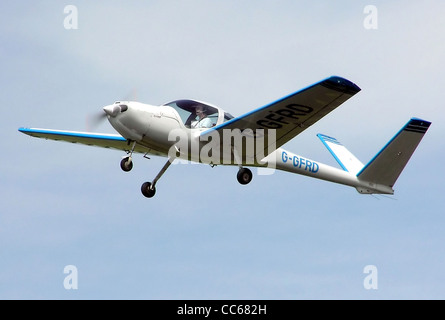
244, 176
126, 164
147, 190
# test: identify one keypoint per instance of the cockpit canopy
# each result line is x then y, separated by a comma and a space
187, 111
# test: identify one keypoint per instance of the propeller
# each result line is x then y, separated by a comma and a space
93, 121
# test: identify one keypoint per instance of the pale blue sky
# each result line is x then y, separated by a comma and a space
204, 236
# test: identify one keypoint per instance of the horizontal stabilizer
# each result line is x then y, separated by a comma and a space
343, 156
386, 166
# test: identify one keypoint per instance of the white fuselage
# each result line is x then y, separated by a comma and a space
161, 128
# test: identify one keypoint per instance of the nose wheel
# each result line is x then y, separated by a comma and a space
126, 164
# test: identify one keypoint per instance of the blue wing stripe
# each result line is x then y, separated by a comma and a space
31, 131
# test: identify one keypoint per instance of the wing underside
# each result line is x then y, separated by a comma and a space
113, 141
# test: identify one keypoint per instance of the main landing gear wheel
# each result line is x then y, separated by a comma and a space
147, 190
244, 176
126, 164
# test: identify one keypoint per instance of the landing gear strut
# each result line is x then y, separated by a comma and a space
244, 175
148, 189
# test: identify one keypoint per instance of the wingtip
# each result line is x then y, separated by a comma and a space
417, 125
420, 121
342, 84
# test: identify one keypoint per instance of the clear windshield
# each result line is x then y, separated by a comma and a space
186, 109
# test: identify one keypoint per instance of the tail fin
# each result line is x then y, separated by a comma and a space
343, 156
385, 168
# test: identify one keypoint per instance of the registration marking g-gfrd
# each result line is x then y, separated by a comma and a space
277, 118
301, 163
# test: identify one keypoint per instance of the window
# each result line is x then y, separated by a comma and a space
228, 116
186, 110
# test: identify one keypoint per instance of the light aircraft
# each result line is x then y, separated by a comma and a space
175, 130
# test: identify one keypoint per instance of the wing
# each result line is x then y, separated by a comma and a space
113, 141
294, 113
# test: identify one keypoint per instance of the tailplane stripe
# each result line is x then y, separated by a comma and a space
343, 156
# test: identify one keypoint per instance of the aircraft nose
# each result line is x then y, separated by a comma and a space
112, 111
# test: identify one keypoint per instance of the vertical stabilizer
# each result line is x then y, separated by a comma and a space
386, 166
